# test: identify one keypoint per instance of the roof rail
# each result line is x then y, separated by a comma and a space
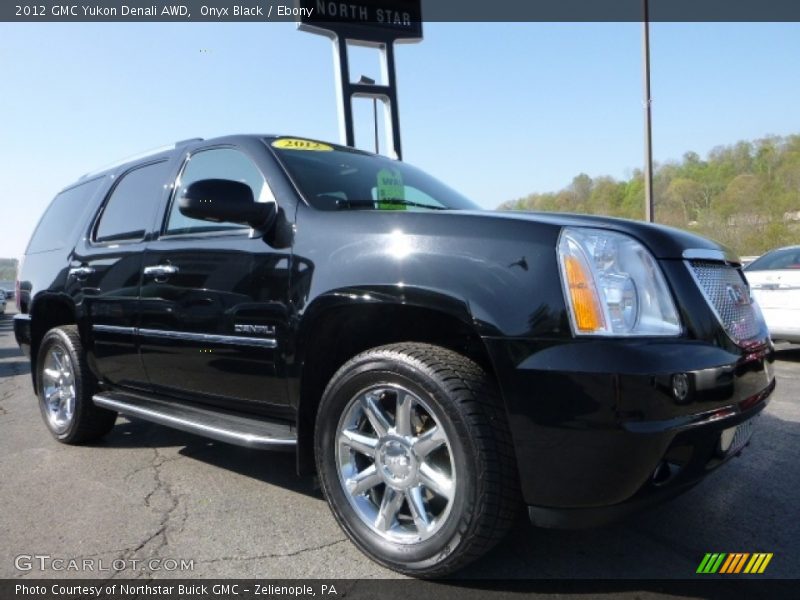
140, 155
180, 143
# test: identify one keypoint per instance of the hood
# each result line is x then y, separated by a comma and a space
664, 242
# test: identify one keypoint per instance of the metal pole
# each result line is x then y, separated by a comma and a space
343, 95
375, 118
391, 108
648, 129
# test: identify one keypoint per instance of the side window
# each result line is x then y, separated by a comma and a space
219, 163
58, 227
129, 212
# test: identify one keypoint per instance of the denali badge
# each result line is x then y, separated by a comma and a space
257, 329
737, 294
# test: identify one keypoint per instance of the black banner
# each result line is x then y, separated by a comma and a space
381, 589
393, 10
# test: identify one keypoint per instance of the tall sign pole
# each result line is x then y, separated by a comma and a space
371, 23
648, 119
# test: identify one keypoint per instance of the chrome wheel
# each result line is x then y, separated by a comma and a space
58, 388
395, 464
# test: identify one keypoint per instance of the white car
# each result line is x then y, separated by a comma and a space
775, 281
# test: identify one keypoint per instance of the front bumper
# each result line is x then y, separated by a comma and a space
602, 427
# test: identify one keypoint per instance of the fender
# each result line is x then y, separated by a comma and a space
369, 295
503, 271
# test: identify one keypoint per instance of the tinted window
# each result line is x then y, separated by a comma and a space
129, 212
787, 258
63, 218
220, 163
334, 178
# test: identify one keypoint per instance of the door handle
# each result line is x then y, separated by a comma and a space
80, 272
160, 270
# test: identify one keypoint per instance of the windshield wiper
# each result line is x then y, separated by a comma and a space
372, 204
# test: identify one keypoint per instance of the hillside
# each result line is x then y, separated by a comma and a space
746, 196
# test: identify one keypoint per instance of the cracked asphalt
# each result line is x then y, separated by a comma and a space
147, 492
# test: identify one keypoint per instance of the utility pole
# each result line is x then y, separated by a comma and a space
648, 120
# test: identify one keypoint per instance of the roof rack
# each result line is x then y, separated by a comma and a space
141, 155
180, 143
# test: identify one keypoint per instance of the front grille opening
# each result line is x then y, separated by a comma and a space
728, 294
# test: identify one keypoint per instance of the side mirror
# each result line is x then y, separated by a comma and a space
224, 200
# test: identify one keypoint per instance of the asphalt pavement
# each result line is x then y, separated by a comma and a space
148, 492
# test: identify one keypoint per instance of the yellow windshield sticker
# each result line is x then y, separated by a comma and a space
390, 187
298, 144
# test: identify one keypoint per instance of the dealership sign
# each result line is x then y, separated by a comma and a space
366, 20
373, 23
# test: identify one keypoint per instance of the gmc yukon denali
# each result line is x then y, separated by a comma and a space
438, 367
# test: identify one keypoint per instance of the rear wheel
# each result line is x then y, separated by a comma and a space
66, 386
415, 459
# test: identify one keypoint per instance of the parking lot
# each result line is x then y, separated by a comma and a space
148, 492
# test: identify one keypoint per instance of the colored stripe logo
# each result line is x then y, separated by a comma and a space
734, 562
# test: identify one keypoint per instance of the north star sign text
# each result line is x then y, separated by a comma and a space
354, 12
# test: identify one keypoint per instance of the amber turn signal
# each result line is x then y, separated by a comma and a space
588, 315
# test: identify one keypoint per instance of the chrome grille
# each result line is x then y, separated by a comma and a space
729, 295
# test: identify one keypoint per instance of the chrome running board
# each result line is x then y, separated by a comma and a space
236, 429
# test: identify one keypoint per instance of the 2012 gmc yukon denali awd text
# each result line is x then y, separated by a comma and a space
437, 366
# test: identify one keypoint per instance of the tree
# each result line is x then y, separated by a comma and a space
746, 195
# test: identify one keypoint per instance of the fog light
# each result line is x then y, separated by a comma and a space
680, 387
726, 439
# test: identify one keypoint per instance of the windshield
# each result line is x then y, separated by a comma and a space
339, 178
786, 258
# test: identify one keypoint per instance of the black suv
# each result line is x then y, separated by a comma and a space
436, 365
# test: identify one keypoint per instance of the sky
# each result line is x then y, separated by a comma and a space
496, 110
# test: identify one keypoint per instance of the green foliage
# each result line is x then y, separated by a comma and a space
746, 196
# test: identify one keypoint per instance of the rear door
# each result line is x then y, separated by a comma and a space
214, 299
105, 270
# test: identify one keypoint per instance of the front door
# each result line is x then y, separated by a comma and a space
213, 300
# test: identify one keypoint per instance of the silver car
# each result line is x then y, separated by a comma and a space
775, 281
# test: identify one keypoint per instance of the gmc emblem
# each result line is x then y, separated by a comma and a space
738, 294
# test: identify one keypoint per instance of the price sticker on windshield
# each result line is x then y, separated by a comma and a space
390, 187
298, 144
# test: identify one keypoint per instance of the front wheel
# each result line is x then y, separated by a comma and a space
415, 458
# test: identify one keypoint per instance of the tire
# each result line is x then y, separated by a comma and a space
66, 386
408, 500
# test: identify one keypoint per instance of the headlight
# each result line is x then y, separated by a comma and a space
613, 285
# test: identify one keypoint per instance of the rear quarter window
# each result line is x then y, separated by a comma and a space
59, 225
